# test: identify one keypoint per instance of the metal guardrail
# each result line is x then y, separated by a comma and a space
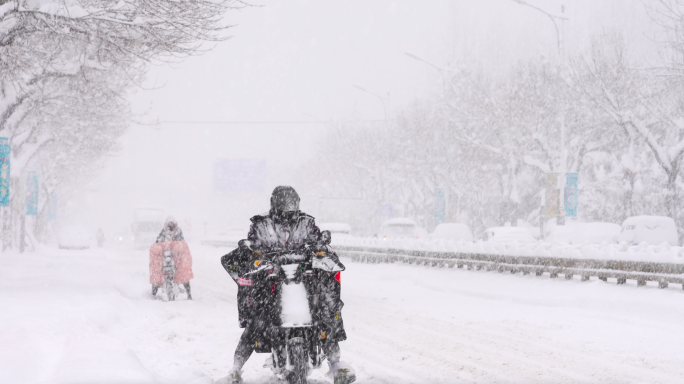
662, 273
641, 271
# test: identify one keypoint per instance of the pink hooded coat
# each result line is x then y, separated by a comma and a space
171, 241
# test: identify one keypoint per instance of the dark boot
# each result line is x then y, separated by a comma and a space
187, 289
154, 290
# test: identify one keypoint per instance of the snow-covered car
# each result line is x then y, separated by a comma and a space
653, 230
584, 233
336, 229
452, 231
74, 237
399, 227
505, 234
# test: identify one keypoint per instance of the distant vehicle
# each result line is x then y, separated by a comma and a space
505, 234
147, 224
584, 233
336, 229
452, 231
74, 237
400, 227
651, 229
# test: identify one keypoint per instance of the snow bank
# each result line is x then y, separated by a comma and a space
586, 233
663, 253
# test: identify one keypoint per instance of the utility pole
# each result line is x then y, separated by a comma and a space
564, 152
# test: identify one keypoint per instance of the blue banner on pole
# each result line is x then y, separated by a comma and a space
571, 194
4, 171
32, 193
440, 205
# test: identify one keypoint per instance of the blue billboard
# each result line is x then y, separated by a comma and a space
240, 176
571, 194
4, 171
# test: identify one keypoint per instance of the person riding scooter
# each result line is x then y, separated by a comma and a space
284, 227
171, 239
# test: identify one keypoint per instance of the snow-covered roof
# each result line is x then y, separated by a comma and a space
584, 233
649, 220
649, 229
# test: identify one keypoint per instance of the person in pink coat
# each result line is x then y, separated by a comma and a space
171, 239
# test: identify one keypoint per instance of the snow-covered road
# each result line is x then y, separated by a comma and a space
85, 317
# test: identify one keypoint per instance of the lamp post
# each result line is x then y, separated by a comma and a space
436, 67
560, 39
382, 99
560, 32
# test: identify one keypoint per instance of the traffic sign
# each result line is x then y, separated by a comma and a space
571, 194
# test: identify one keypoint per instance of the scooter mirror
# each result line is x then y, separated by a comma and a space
245, 244
325, 237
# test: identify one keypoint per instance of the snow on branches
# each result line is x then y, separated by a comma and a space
66, 66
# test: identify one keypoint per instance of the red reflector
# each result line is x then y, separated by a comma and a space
338, 277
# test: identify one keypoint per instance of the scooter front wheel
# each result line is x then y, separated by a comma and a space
299, 360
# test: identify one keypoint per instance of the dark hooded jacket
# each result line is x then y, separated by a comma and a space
267, 232
255, 297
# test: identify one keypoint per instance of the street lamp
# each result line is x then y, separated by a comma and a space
438, 68
560, 37
382, 99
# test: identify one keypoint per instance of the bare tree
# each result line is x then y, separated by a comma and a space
53, 52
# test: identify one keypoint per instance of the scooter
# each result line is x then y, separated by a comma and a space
294, 339
171, 288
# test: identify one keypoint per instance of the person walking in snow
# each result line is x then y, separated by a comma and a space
171, 239
284, 226
100, 238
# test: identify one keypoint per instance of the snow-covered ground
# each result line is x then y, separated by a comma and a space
85, 317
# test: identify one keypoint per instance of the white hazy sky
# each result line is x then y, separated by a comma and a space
294, 60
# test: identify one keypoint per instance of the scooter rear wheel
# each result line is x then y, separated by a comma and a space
169, 291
